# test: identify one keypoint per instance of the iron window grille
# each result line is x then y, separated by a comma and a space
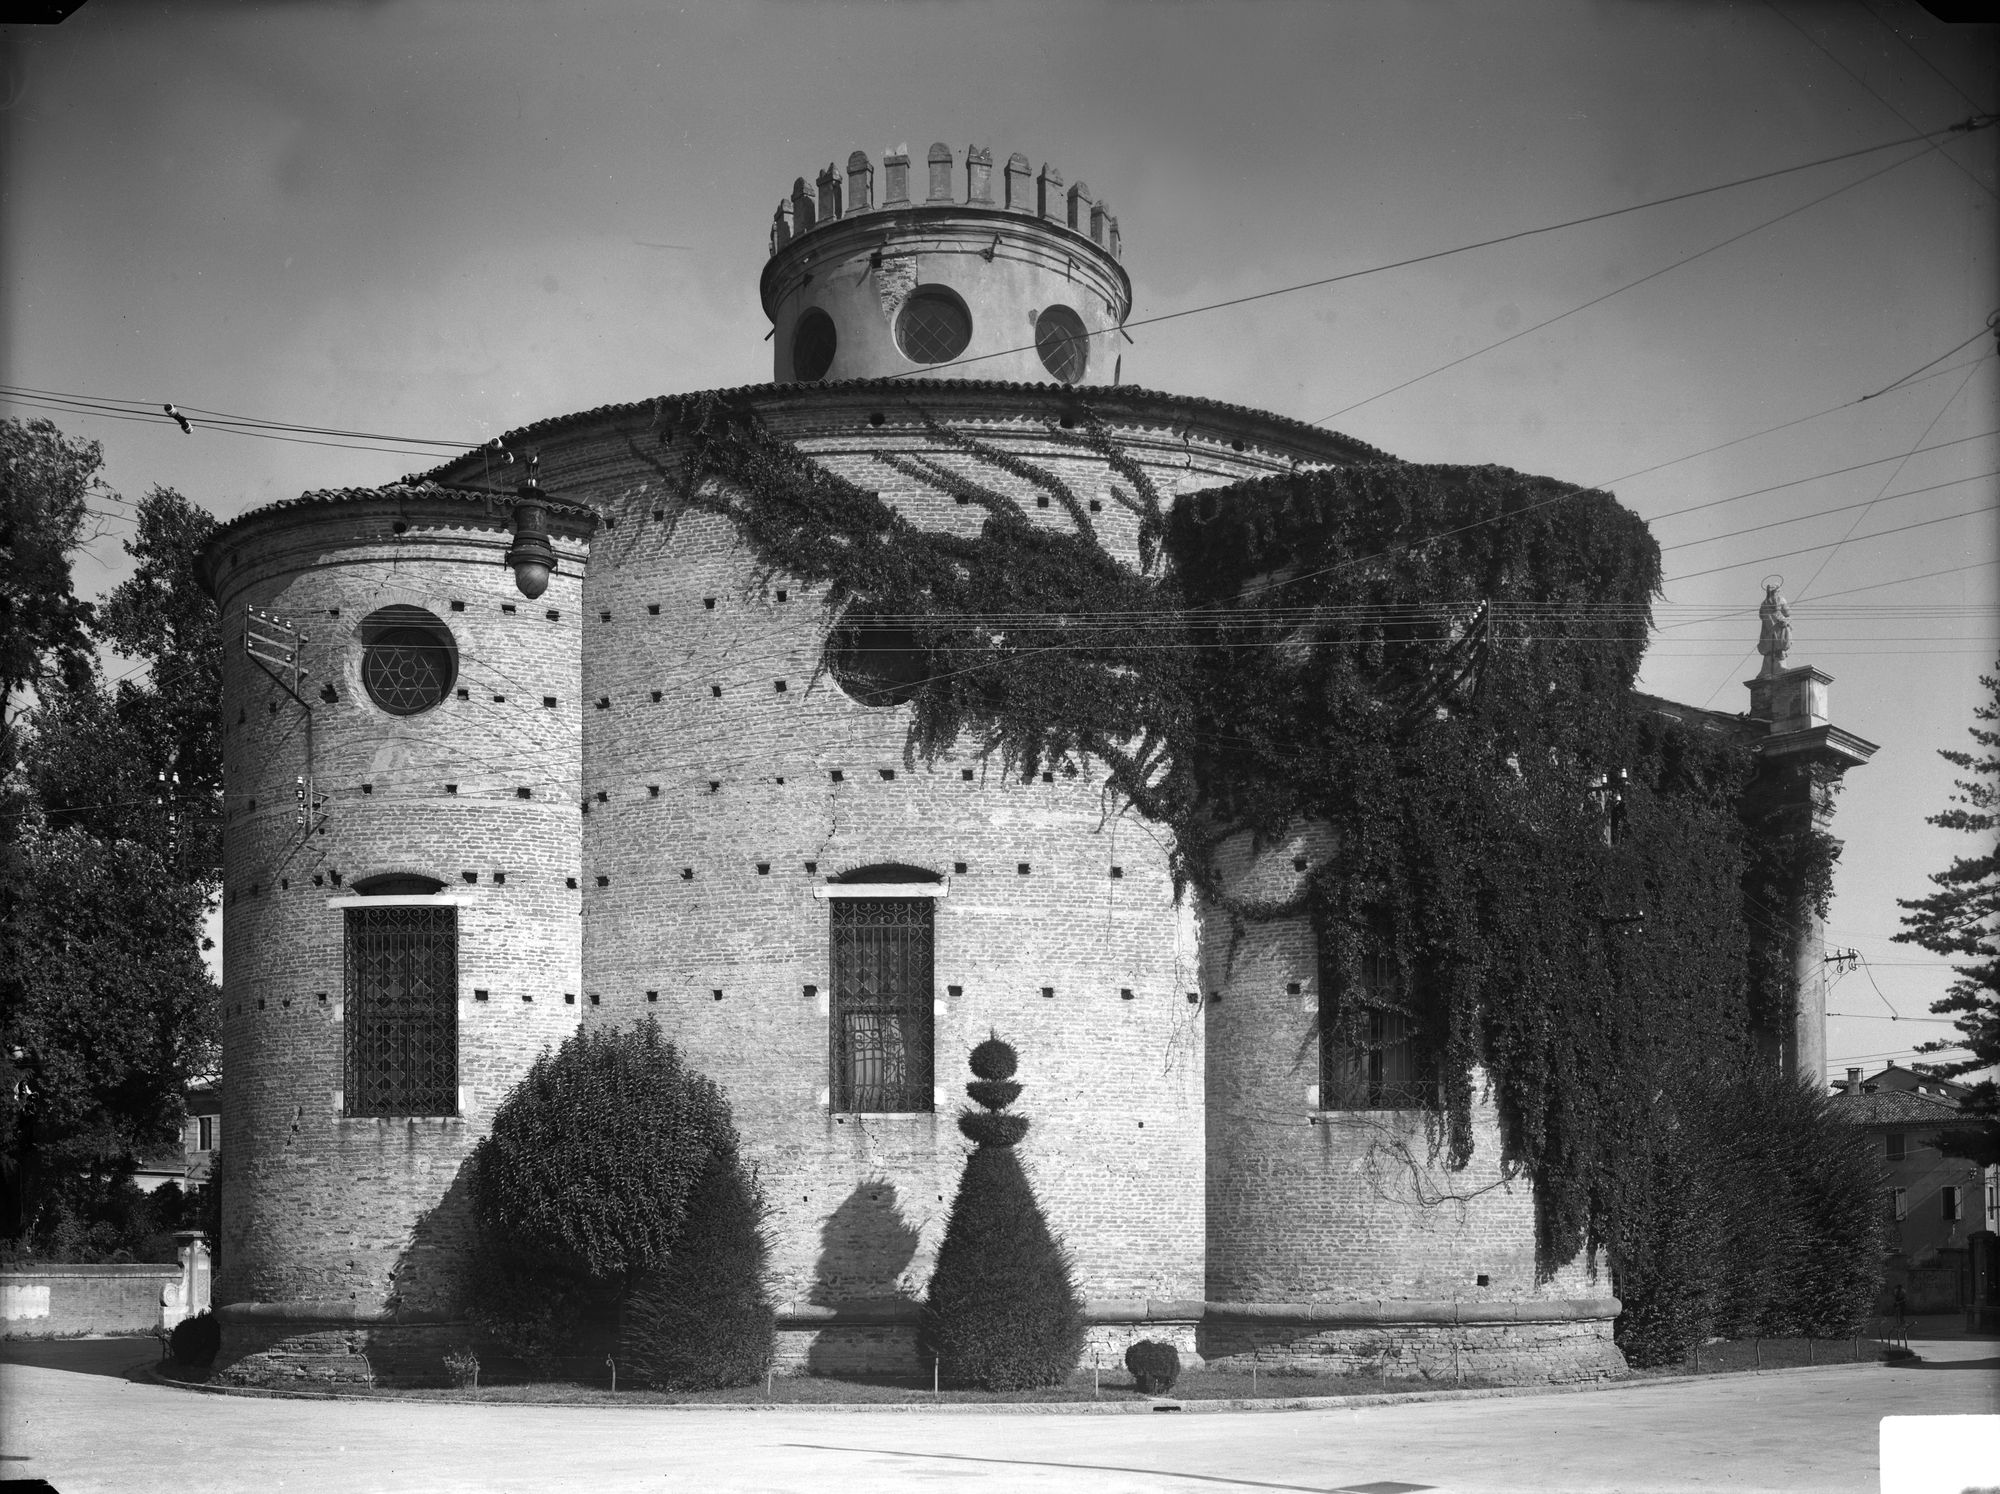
933, 326
1063, 342
883, 951
1371, 1057
402, 1011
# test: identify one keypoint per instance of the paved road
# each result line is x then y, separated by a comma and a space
68, 1415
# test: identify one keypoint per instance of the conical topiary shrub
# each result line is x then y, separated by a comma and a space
1002, 1312
703, 1320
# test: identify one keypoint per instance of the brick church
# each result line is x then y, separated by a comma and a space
503, 759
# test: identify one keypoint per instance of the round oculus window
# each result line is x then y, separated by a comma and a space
409, 659
1063, 342
813, 345
933, 326
877, 661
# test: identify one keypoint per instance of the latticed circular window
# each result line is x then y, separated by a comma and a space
409, 659
1063, 342
813, 344
933, 326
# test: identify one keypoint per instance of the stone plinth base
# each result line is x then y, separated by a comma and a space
1493, 1343
277, 1346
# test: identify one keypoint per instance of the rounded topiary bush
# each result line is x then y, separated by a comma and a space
593, 1154
703, 1320
1154, 1365
1002, 1312
583, 1185
196, 1341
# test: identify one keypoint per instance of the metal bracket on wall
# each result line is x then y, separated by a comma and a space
277, 648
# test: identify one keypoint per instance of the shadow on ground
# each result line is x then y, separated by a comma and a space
113, 1357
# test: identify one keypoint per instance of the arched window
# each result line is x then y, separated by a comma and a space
814, 342
409, 660
883, 957
400, 1018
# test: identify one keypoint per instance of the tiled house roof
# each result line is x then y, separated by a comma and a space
1895, 1108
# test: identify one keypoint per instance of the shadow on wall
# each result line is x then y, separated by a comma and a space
433, 1275
865, 1247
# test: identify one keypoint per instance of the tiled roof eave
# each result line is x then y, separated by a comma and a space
1347, 446
388, 496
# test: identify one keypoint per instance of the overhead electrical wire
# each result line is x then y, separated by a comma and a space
1973, 123
1817, 513
1911, 48
1628, 285
246, 425
1693, 508
1868, 89
1971, 513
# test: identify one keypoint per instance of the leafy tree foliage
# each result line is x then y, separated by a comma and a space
110, 804
1002, 1311
1437, 664
703, 1319
584, 1182
111, 1009
143, 760
1753, 1210
1962, 919
593, 1154
46, 483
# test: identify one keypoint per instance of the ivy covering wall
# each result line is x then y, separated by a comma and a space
1436, 663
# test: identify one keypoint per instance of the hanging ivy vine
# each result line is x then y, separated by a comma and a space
1434, 662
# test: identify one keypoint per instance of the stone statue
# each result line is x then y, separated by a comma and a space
1774, 632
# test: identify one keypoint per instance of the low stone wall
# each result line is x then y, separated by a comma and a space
57, 1301
1503, 1343
319, 1346
1494, 1343
1499, 1343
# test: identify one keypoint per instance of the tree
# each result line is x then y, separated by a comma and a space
108, 845
703, 1319
1002, 1311
583, 1183
1962, 918
110, 1012
144, 761
46, 482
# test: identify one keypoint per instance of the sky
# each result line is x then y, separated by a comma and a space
441, 219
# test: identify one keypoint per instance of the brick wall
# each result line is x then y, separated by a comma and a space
715, 811
1306, 1205
713, 805
319, 1207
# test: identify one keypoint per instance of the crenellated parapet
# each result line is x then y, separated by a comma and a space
833, 196
971, 268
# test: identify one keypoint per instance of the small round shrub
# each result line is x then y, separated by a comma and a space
704, 1320
196, 1341
461, 1366
1154, 1365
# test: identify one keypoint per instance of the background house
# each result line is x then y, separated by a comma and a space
1943, 1208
